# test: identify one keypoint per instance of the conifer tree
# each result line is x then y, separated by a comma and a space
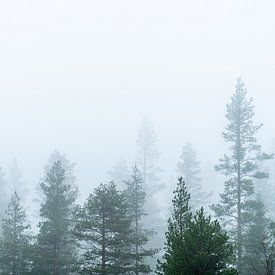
15, 241
104, 232
240, 167
147, 154
207, 249
259, 254
195, 245
135, 196
189, 169
55, 242
15, 179
119, 173
172, 262
3, 194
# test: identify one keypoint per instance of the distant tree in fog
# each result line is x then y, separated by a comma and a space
15, 241
146, 161
240, 167
135, 197
259, 255
147, 154
4, 194
119, 173
66, 164
189, 168
16, 183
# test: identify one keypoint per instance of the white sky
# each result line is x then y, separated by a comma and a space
80, 76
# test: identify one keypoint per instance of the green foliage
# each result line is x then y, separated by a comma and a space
206, 246
104, 231
15, 242
55, 244
195, 245
173, 258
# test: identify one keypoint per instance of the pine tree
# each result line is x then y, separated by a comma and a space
15, 241
206, 247
4, 195
119, 173
147, 154
135, 196
173, 257
240, 167
259, 257
189, 169
55, 243
104, 232
15, 179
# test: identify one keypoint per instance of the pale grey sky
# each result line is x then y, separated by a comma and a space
80, 76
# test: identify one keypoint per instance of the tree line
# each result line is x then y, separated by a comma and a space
119, 230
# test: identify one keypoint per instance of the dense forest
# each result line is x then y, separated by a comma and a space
121, 227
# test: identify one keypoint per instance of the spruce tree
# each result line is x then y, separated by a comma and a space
189, 169
15, 241
55, 242
240, 166
103, 228
173, 258
135, 196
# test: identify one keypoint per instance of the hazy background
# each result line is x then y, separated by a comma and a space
80, 76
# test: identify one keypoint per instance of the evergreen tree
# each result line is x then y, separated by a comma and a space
55, 243
14, 245
195, 245
259, 244
4, 195
119, 173
174, 250
104, 232
147, 154
15, 179
206, 247
189, 169
135, 196
66, 164
240, 167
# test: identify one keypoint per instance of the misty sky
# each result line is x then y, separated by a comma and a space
80, 76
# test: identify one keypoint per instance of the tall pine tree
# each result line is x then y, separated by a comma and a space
15, 241
135, 196
189, 168
103, 228
172, 262
240, 166
55, 242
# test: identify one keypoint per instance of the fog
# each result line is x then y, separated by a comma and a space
81, 76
